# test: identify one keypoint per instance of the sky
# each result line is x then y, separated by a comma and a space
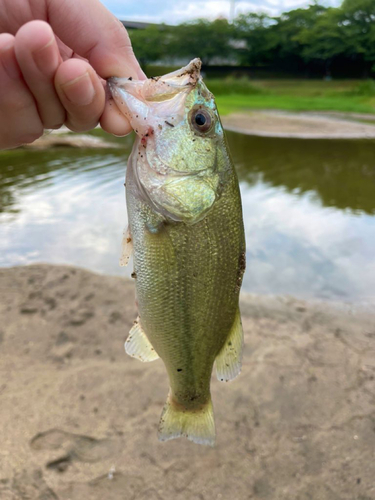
176, 11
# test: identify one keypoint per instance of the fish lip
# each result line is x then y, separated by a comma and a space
142, 101
112, 83
192, 70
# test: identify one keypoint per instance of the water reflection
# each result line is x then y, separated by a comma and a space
63, 206
309, 212
341, 173
309, 209
22, 170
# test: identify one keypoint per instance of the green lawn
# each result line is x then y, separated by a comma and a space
238, 94
294, 95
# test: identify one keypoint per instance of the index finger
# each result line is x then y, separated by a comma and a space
95, 34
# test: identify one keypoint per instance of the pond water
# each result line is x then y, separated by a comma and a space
309, 211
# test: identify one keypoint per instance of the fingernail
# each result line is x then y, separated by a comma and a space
47, 58
9, 62
79, 91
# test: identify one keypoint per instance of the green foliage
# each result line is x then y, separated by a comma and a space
202, 38
152, 70
230, 85
151, 44
316, 39
290, 25
365, 88
345, 104
359, 19
325, 39
256, 30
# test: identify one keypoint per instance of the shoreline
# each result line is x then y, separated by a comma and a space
79, 417
303, 125
262, 123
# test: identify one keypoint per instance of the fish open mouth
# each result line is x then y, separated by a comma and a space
159, 97
173, 159
181, 79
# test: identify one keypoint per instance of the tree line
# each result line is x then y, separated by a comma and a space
315, 40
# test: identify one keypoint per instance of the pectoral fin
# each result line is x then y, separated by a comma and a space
127, 248
229, 359
138, 346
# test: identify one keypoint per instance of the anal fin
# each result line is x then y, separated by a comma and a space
138, 346
126, 248
229, 359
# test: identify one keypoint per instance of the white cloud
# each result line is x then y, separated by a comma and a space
295, 246
176, 11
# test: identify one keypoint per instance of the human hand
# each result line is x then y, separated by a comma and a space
53, 73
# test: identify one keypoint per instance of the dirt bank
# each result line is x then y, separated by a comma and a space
78, 417
299, 125
64, 138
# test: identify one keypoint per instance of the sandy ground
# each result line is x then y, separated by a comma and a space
64, 138
300, 125
78, 417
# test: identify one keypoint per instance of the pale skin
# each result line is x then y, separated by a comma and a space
54, 58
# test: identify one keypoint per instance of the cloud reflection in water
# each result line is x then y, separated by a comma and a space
304, 237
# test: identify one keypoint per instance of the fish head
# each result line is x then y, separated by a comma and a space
178, 158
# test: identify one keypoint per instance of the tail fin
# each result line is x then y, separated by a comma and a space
197, 424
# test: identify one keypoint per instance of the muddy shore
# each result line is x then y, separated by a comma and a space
267, 123
78, 417
304, 125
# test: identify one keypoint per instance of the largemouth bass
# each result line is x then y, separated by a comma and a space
186, 231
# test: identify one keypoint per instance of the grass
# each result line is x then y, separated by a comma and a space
231, 103
240, 94
350, 96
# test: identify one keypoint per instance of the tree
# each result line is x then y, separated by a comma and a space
151, 44
287, 32
359, 22
255, 30
314, 39
204, 39
325, 39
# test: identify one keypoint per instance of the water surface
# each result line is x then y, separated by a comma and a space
309, 211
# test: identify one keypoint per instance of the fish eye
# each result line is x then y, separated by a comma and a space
201, 120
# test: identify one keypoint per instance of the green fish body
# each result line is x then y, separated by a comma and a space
186, 231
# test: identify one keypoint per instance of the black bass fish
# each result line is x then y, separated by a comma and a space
186, 231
